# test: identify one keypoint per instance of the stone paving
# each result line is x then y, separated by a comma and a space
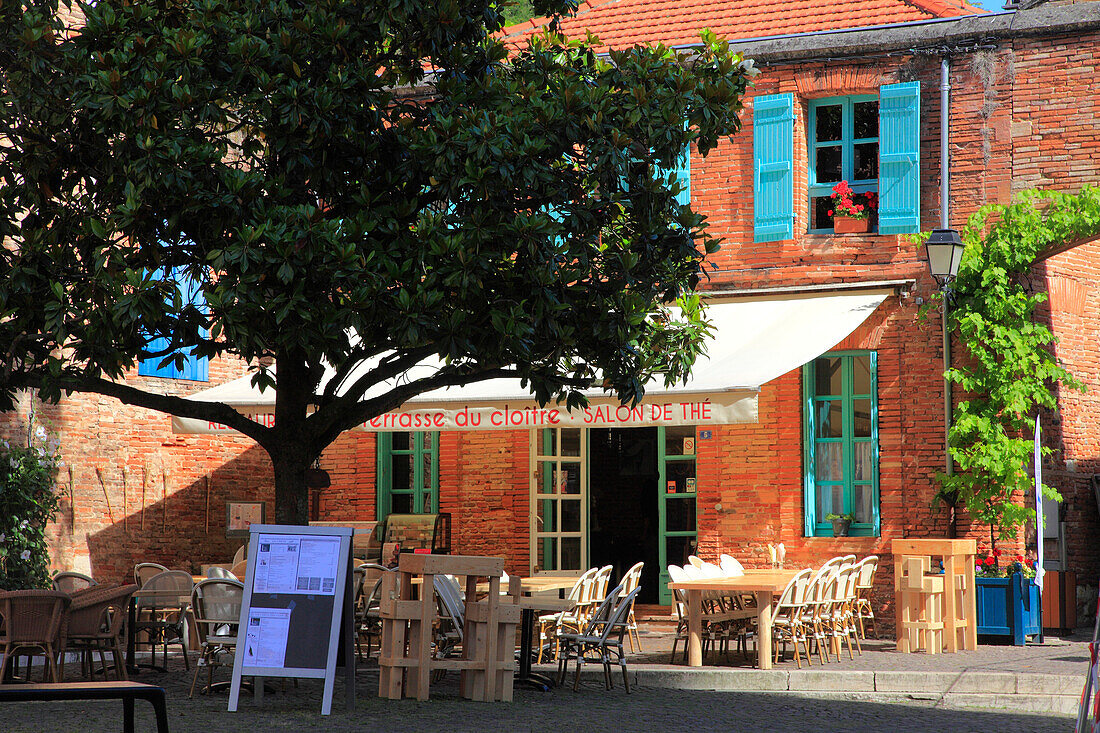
650, 706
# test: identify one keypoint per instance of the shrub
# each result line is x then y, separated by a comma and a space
28, 501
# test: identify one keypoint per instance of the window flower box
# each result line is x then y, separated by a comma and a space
1008, 607
848, 225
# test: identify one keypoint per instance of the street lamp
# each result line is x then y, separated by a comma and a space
944, 250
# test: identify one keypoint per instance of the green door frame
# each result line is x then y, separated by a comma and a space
665, 460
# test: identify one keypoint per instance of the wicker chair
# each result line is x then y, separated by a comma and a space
552, 624
603, 637
631, 580
69, 581
95, 625
865, 583
33, 623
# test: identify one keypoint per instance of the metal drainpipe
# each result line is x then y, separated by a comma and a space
945, 99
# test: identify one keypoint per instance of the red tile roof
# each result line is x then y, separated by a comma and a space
622, 23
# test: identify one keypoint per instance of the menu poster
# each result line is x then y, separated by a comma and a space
266, 637
297, 564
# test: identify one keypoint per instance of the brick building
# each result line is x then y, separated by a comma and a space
1023, 105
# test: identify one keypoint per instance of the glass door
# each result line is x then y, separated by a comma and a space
559, 501
677, 531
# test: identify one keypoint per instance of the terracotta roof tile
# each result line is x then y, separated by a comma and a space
621, 23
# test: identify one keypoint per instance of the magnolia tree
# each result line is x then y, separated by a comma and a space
345, 183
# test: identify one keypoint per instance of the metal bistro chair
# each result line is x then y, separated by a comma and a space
551, 624
70, 581
631, 580
216, 604
145, 570
603, 636
164, 616
865, 583
787, 619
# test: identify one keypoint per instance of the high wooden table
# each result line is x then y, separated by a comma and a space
764, 584
960, 614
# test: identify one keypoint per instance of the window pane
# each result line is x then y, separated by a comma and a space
426, 501
829, 419
866, 119
829, 461
861, 418
674, 440
864, 467
570, 553
829, 123
830, 500
401, 503
549, 443
428, 439
546, 515
828, 164
828, 376
402, 472
570, 515
571, 441
863, 498
401, 441
679, 472
821, 206
677, 549
570, 478
680, 513
546, 550
866, 162
861, 374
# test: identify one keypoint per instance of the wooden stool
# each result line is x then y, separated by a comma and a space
922, 607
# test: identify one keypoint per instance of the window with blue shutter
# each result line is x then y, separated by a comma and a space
842, 145
899, 166
682, 174
194, 368
773, 167
840, 420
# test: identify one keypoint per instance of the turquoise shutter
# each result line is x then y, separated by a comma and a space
899, 158
682, 171
773, 165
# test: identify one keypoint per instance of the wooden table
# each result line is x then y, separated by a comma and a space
764, 584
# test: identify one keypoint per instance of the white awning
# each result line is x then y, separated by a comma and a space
756, 339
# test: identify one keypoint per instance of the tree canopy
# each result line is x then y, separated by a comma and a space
346, 182
1009, 371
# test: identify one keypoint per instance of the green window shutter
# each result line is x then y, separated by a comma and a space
194, 368
773, 167
899, 158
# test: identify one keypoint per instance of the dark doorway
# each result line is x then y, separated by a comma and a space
622, 516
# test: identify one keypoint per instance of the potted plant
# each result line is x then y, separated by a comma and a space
851, 212
1007, 597
841, 523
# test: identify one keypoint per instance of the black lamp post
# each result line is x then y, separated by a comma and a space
944, 250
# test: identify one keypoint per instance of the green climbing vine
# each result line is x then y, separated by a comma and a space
1008, 369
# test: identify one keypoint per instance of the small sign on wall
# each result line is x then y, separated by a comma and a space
689, 485
689, 446
705, 434
670, 487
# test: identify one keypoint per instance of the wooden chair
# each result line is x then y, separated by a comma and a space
216, 605
70, 581
631, 580
145, 570
240, 569
94, 624
241, 554
865, 583
32, 624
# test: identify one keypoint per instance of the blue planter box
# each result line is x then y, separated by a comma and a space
1008, 607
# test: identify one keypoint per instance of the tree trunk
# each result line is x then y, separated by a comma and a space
291, 494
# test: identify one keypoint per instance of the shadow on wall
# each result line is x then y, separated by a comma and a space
179, 526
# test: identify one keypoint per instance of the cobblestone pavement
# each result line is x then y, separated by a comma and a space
589, 709
291, 708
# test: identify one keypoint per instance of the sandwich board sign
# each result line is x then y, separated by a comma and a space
297, 591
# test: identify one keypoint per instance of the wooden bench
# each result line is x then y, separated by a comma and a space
125, 691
